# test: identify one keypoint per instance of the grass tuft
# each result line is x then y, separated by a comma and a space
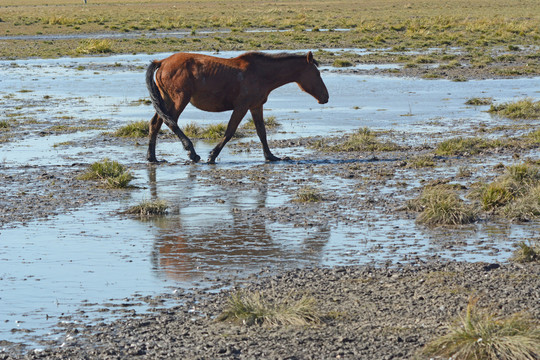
465, 146
515, 194
479, 335
110, 174
477, 101
137, 129
421, 161
94, 46
214, 132
192, 130
524, 208
526, 253
362, 140
308, 194
149, 208
521, 109
270, 122
339, 63
251, 308
439, 205
211, 132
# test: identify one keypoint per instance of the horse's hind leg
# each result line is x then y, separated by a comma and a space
188, 145
155, 125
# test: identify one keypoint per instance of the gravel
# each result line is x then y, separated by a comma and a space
370, 313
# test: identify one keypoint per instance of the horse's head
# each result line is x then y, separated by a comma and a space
311, 82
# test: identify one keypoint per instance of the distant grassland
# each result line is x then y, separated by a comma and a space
371, 24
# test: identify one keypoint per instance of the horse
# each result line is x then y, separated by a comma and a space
217, 84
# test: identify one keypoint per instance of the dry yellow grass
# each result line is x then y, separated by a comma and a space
372, 24
402, 16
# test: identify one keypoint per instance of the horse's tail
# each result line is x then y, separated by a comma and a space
155, 95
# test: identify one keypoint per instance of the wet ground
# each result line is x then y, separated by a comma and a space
68, 255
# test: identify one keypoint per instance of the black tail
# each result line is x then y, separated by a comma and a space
155, 95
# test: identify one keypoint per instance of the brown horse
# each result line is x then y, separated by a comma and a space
215, 84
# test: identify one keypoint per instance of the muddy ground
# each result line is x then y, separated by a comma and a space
368, 313
371, 312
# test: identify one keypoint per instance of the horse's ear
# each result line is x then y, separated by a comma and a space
310, 58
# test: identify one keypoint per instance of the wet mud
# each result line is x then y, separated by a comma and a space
228, 221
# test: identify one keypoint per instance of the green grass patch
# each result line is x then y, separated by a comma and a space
4, 125
141, 102
421, 161
149, 208
94, 46
108, 173
270, 122
308, 194
210, 132
214, 132
252, 308
527, 252
481, 335
340, 63
525, 207
64, 143
66, 129
514, 195
137, 129
362, 140
478, 101
422, 59
534, 136
521, 109
497, 194
465, 146
454, 64
441, 205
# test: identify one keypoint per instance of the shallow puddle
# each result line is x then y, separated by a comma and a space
49, 268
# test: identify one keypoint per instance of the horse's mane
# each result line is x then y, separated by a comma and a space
279, 56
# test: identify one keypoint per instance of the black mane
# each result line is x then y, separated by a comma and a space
279, 56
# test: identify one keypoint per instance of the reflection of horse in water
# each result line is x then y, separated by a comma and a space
242, 243
214, 84
236, 239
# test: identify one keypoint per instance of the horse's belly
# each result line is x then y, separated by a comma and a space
211, 103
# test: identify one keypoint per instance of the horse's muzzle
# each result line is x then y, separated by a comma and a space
323, 99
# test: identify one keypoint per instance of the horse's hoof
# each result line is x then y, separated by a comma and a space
195, 158
156, 161
273, 158
211, 161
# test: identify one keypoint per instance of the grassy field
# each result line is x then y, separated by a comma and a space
397, 24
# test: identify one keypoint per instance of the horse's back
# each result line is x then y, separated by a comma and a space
212, 83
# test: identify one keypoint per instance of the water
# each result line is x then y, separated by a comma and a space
48, 268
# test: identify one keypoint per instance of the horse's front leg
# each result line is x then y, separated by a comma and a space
258, 120
236, 117
153, 129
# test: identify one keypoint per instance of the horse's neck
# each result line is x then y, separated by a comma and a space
282, 71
